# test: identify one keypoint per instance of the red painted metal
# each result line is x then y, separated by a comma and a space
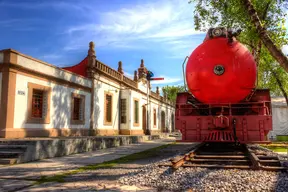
196, 120
223, 104
233, 85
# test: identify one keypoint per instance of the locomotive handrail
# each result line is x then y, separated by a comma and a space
188, 107
228, 104
185, 87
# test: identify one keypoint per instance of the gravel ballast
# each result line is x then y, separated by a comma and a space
203, 179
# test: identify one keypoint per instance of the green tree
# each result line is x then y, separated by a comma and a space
171, 91
261, 23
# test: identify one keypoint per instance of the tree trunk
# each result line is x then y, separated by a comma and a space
257, 59
280, 85
273, 49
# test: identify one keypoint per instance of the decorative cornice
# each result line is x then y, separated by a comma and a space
91, 60
157, 91
119, 77
142, 70
91, 51
120, 69
135, 76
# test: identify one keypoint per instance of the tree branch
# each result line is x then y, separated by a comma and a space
249, 44
265, 38
280, 85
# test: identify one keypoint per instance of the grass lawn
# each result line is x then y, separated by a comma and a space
108, 164
276, 148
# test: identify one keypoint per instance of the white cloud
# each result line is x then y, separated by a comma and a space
137, 25
129, 75
50, 56
285, 49
166, 81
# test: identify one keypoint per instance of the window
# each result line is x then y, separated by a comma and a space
78, 109
154, 117
38, 104
123, 110
136, 112
108, 109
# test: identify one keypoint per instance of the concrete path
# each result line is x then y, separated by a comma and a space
17, 176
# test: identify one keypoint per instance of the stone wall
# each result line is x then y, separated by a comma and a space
48, 148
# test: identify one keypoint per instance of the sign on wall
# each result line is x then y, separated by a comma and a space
21, 92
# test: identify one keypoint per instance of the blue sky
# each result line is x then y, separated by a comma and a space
58, 32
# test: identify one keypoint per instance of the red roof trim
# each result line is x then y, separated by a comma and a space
80, 69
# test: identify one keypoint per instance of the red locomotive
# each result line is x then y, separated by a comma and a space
223, 104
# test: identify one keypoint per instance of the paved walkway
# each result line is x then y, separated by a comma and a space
17, 176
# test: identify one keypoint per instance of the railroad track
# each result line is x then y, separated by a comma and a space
227, 156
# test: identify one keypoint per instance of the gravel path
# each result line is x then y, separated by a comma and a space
145, 175
202, 179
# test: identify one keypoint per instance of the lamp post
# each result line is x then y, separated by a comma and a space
149, 76
148, 132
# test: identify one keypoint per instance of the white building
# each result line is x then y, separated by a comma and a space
280, 117
90, 98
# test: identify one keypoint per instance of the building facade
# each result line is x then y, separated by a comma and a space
280, 117
41, 100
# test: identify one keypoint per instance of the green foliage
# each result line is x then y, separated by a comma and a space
171, 91
266, 78
282, 148
232, 14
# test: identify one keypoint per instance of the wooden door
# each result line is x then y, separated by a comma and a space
163, 126
144, 113
172, 123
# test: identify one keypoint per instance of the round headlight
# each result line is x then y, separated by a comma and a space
219, 69
217, 32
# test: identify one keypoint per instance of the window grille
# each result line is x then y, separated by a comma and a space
155, 117
123, 110
77, 108
37, 103
136, 111
108, 108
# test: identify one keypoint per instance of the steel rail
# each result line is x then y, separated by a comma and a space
241, 158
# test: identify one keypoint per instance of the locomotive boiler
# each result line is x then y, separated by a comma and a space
222, 103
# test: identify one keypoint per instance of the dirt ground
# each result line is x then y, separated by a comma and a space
107, 179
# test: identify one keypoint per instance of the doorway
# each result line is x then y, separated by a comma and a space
172, 123
163, 125
144, 114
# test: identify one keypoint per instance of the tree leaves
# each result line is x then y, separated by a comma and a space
171, 91
232, 14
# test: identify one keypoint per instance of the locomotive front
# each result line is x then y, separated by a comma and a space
222, 104
219, 71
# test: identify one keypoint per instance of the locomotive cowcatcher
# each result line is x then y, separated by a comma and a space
223, 103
